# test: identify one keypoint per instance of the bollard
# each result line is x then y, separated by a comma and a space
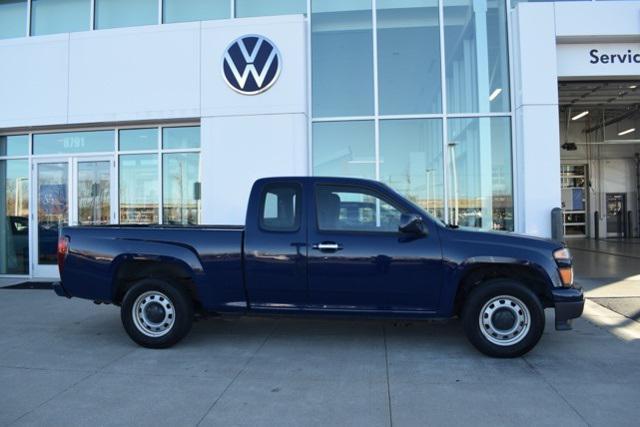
557, 225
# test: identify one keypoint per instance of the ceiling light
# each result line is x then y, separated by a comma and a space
624, 132
581, 115
633, 86
495, 93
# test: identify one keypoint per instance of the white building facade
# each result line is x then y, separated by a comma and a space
122, 112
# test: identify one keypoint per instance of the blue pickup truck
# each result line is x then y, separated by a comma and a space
316, 245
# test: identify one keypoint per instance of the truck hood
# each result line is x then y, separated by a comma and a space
503, 238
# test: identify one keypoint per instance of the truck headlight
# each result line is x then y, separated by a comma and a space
565, 268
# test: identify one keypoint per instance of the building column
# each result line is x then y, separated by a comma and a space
537, 137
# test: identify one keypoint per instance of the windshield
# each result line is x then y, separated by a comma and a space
418, 207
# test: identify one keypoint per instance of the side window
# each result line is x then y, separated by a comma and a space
280, 207
355, 209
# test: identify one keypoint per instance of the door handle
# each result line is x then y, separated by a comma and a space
328, 246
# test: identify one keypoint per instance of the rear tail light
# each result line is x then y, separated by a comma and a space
63, 250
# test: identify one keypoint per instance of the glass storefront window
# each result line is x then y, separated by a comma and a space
480, 186
411, 161
59, 16
342, 58
138, 139
476, 56
52, 189
181, 137
125, 13
408, 57
13, 18
247, 8
139, 189
14, 145
14, 213
195, 10
344, 149
180, 192
74, 142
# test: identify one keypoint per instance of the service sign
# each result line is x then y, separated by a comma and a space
598, 59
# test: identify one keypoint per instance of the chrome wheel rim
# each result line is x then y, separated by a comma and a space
504, 320
153, 314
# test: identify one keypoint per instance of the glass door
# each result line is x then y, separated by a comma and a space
51, 194
75, 191
93, 192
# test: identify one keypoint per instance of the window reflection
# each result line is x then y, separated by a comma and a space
476, 56
14, 213
74, 142
138, 139
14, 145
139, 189
246, 8
13, 18
195, 10
480, 173
408, 56
125, 13
411, 161
59, 16
342, 58
344, 149
181, 198
181, 137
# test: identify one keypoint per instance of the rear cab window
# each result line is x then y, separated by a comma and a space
280, 207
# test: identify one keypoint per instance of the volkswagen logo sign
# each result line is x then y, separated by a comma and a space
251, 64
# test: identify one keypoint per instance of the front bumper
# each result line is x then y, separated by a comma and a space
569, 303
59, 290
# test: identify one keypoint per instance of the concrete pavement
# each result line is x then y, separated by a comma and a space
68, 362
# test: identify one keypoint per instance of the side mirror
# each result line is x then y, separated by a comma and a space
412, 224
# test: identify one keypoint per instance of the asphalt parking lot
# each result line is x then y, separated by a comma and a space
68, 362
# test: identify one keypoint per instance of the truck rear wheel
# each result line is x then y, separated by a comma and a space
156, 314
503, 318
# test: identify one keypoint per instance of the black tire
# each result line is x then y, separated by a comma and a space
484, 301
161, 300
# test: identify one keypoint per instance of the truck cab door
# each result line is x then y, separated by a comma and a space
358, 258
275, 250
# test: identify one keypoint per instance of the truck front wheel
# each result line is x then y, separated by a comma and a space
156, 314
503, 318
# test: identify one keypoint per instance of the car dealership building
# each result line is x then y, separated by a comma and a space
488, 113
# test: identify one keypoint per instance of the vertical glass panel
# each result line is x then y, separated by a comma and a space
74, 142
246, 8
411, 161
14, 214
138, 139
195, 10
180, 192
182, 137
14, 145
125, 13
139, 189
59, 16
53, 208
408, 57
344, 149
342, 58
13, 18
476, 56
94, 193
480, 185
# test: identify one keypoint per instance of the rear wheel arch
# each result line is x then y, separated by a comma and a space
130, 271
527, 275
